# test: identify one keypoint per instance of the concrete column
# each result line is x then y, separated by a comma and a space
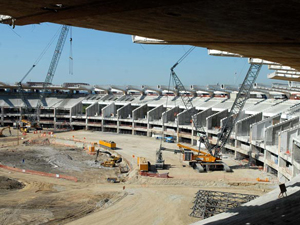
2, 116
54, 119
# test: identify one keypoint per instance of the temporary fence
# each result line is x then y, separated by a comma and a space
33, 172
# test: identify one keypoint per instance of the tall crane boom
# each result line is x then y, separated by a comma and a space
234, 112
188, 105
53, 65
236, 108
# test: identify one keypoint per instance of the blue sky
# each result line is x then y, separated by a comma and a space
110, 58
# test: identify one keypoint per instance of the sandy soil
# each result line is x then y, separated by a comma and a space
94, 201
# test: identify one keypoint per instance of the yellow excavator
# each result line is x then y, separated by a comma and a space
4, 128
112, 161
25, 126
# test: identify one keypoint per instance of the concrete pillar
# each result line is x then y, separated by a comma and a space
2, 116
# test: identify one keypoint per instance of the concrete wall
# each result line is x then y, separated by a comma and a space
201, 117
109, 110
125, 112
76, 109
258, 129
286, 137
215, 119
156, 113
271, 136
92, 110
185, 117
242, 127
140, 112
169, 116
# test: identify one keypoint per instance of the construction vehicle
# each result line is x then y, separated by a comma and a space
108, 144
202, 161
169, 139
109, 163
3, 129
239, 102
112, 161
25, 126
143, 164
34, 118
113, 180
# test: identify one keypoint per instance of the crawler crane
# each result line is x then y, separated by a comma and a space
214, 150
33, 119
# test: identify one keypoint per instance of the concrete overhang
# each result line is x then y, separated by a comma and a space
260, 29
284, 76
201, 89
104, 88
135, 88
165, 89
152, 89
119, 89
280, 67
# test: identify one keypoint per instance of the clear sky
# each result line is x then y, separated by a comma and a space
110, 58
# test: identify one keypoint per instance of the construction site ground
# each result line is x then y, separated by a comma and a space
35, 199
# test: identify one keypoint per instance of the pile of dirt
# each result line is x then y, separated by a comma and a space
10, 184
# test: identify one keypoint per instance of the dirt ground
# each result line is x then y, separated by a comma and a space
92, 200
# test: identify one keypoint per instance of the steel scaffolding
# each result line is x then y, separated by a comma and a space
210, 203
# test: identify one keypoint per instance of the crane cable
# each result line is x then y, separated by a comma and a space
41, 55
71, 53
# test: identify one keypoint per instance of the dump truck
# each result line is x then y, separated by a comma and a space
108, 144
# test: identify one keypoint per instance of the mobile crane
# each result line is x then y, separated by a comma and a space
244, 91
33, 119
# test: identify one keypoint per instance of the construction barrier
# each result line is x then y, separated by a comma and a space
33, 172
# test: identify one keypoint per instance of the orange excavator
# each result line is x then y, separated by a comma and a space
4, 128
